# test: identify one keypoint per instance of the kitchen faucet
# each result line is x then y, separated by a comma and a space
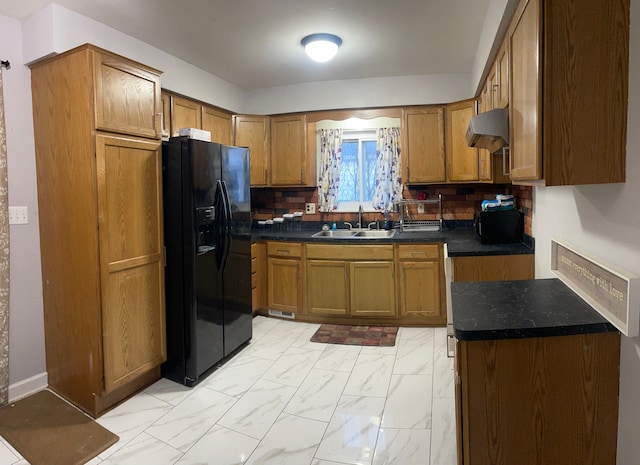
360, 216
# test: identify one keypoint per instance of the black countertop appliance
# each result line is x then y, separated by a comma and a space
499, 226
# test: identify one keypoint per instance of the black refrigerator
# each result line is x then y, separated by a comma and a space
207, 230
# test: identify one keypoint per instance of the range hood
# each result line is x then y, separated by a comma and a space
489, 130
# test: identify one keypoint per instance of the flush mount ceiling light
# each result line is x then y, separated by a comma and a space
321, 47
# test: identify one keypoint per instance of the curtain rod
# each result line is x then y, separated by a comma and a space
5, 64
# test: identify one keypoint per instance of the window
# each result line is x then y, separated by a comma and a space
357, 171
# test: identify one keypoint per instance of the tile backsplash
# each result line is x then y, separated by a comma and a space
459, 202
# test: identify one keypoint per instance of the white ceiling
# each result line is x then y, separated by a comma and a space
256, 43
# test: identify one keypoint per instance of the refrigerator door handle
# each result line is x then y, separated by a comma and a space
226, 240
219, 232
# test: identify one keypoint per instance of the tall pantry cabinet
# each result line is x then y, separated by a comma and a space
99, 168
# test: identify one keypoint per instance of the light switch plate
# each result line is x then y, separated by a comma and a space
310, 208
420, 208
18, 215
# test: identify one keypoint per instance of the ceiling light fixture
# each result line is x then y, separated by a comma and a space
321, 47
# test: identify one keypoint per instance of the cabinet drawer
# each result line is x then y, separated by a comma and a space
419, 252
350, 252
284, 249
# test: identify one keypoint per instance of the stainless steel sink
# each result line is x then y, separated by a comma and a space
375, 233
356, 234
342, 233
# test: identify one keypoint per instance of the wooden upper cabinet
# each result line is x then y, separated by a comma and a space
288, 150
462, 160
525, 97
166, 114
254, 131
423, 142
568, 114
491, 89
218, 123
502, 69
127, 96
185, 113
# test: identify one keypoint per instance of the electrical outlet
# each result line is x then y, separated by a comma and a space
420, 208
18, 215
310, 208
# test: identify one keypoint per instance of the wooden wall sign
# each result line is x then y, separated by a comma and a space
611, 291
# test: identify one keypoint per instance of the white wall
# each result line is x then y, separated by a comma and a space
55, 29
26, 330
604, 221
358, 93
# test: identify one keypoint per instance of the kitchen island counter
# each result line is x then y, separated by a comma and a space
521, 309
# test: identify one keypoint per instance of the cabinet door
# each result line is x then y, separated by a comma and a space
288, 150
462, 160
492, 89
327, 287
254, 132
166, 115
185, 113
424, 145
218, 123
502, 67
129, 179
525, 99
258, 276
127, 97
372, 288
420, 288
285, 284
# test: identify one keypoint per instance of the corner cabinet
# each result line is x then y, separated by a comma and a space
568, 104
99, 172
423, 139
289, 151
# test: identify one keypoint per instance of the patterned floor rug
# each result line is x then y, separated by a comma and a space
384, 336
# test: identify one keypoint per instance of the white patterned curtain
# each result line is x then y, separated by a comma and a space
4, 259
329, 176
388, 170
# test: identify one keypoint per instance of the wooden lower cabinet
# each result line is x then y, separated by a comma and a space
327, 287
284, 270
493, 268
258, 276
421, 282
350, 280
372, 288
532, 401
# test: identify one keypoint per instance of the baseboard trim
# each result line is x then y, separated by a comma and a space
28, 386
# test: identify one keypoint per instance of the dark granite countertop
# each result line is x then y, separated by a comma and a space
521, 309
460, 242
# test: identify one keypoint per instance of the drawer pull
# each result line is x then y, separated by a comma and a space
419, 253
283, 252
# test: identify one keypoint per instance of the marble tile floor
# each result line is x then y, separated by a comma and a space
287, 401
